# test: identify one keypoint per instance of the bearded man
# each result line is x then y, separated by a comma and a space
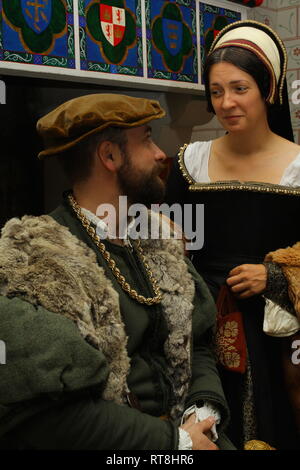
108, 337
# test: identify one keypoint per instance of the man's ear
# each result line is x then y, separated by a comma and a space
109, 155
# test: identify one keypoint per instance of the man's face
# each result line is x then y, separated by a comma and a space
143, 163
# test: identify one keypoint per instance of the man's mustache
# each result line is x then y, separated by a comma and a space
164, 169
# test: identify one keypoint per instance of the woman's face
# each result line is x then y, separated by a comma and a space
236, 98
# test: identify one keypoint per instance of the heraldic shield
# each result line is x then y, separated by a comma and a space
113, 23
173, 34
37, 14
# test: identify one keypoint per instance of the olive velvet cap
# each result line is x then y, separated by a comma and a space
81, 117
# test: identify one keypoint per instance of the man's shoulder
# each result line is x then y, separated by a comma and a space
60, 219
22, 230
61, 214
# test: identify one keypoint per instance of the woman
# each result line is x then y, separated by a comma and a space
248, 181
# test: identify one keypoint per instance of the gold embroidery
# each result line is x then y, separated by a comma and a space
258, 445
226, 351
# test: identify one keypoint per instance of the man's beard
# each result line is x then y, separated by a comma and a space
139, 186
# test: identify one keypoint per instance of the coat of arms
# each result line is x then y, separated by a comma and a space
172, 37
172, 33
37, 14
113, 26
113, 23
38, 22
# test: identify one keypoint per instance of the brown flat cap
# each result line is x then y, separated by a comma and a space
80, 117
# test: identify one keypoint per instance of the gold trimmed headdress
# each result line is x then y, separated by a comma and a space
264, 43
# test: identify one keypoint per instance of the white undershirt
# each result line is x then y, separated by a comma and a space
196, 159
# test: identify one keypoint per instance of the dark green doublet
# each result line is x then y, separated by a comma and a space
54, 379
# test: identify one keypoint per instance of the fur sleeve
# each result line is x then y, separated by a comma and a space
289, 261
277, 287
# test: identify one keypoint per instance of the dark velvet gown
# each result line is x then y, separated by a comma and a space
242, 223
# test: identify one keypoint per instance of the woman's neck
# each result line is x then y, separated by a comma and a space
247, 144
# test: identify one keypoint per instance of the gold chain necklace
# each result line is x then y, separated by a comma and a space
112, 264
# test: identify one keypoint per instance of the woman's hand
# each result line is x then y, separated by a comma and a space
247, 280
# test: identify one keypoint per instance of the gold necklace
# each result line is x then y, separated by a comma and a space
112, 264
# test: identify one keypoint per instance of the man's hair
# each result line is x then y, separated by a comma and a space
244, 60
77, 162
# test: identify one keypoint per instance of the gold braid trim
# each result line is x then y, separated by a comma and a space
182, 166
233, 185
251, 186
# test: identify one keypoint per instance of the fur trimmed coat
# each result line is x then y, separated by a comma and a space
50, 268
289, 261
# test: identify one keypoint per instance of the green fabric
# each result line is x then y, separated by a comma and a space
53, 378
50, 350
206, 383
147, 330
46, 358
93, 424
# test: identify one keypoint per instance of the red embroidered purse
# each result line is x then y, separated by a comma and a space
230, 337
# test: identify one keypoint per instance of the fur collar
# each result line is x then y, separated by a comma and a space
44, 264
289, 261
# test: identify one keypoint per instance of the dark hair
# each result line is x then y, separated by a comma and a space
244, 60
77, 162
